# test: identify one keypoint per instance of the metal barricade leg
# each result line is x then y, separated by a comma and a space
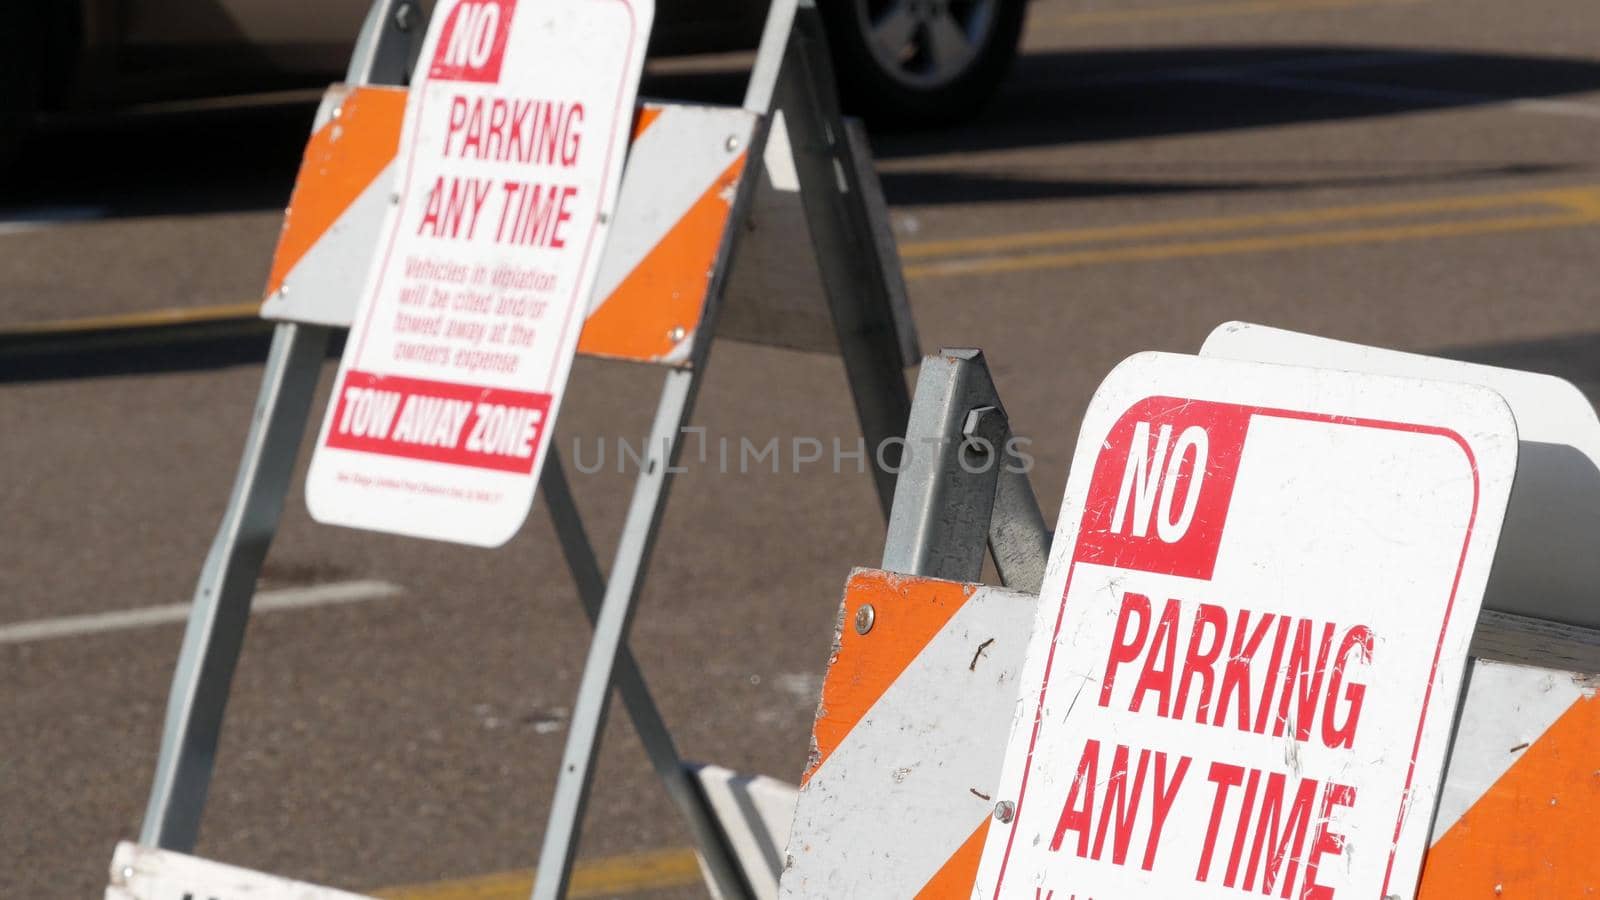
389, 38
848, 220
611, 633
216, 627
630, 683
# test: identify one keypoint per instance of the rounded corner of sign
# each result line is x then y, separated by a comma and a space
1220, 337
1133, 366
315, 509
496, 540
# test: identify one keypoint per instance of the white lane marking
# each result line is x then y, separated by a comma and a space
14, 221
144, 617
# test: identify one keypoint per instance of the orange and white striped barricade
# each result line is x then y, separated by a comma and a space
696, 178
904, 783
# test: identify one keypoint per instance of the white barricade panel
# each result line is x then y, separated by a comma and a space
1523, 789
1546, 566
683, 170
510, 159
1520, 780
908, 740
145, 873
1246, 662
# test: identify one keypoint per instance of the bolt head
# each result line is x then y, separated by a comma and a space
865, 617
677, 333
1005, 811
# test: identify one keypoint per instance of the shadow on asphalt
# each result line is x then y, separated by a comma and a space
140, 352
1573, 357
246, 159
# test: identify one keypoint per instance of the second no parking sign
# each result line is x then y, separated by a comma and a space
1252, 635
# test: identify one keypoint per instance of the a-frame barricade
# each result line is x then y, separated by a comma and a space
659, 299
927, 659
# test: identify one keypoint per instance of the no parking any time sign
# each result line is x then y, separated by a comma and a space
1253, 634
511, 154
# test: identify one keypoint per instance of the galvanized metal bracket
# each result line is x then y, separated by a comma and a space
960, 487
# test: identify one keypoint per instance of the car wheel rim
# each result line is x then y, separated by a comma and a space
925, 43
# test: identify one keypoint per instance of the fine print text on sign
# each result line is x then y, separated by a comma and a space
1254, 628
510, 160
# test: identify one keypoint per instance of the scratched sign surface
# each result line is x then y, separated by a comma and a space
1253, 633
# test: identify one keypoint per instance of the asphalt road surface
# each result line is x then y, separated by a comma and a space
1419, 174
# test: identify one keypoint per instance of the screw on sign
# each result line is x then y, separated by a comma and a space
1244, 669
865, 617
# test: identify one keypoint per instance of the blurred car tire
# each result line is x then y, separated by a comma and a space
921, 63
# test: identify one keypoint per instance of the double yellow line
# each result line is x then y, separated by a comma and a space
609, 877
1371, 223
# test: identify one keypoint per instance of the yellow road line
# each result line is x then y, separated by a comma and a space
155, 318
1578, 199
1202, 11
1155, 252
627, 874
1532, 210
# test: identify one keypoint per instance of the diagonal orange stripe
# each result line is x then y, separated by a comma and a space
907, 612
956, 876
661, 300
643, 118
1531, 834
341, 159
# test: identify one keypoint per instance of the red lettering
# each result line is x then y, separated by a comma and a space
1199, 663
1226, 777
1236, 673
1275, 839
1118, 798
1078, 818
1344, 734
1251, 782
1154, 678
458, 117
1123, 648
1325, 841
1270, 684
1166, 793
1302, 681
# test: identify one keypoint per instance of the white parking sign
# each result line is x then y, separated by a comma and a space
511, 155
1253, 633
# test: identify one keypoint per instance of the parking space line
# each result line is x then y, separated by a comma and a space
1202, 11
608, 877
145, 617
